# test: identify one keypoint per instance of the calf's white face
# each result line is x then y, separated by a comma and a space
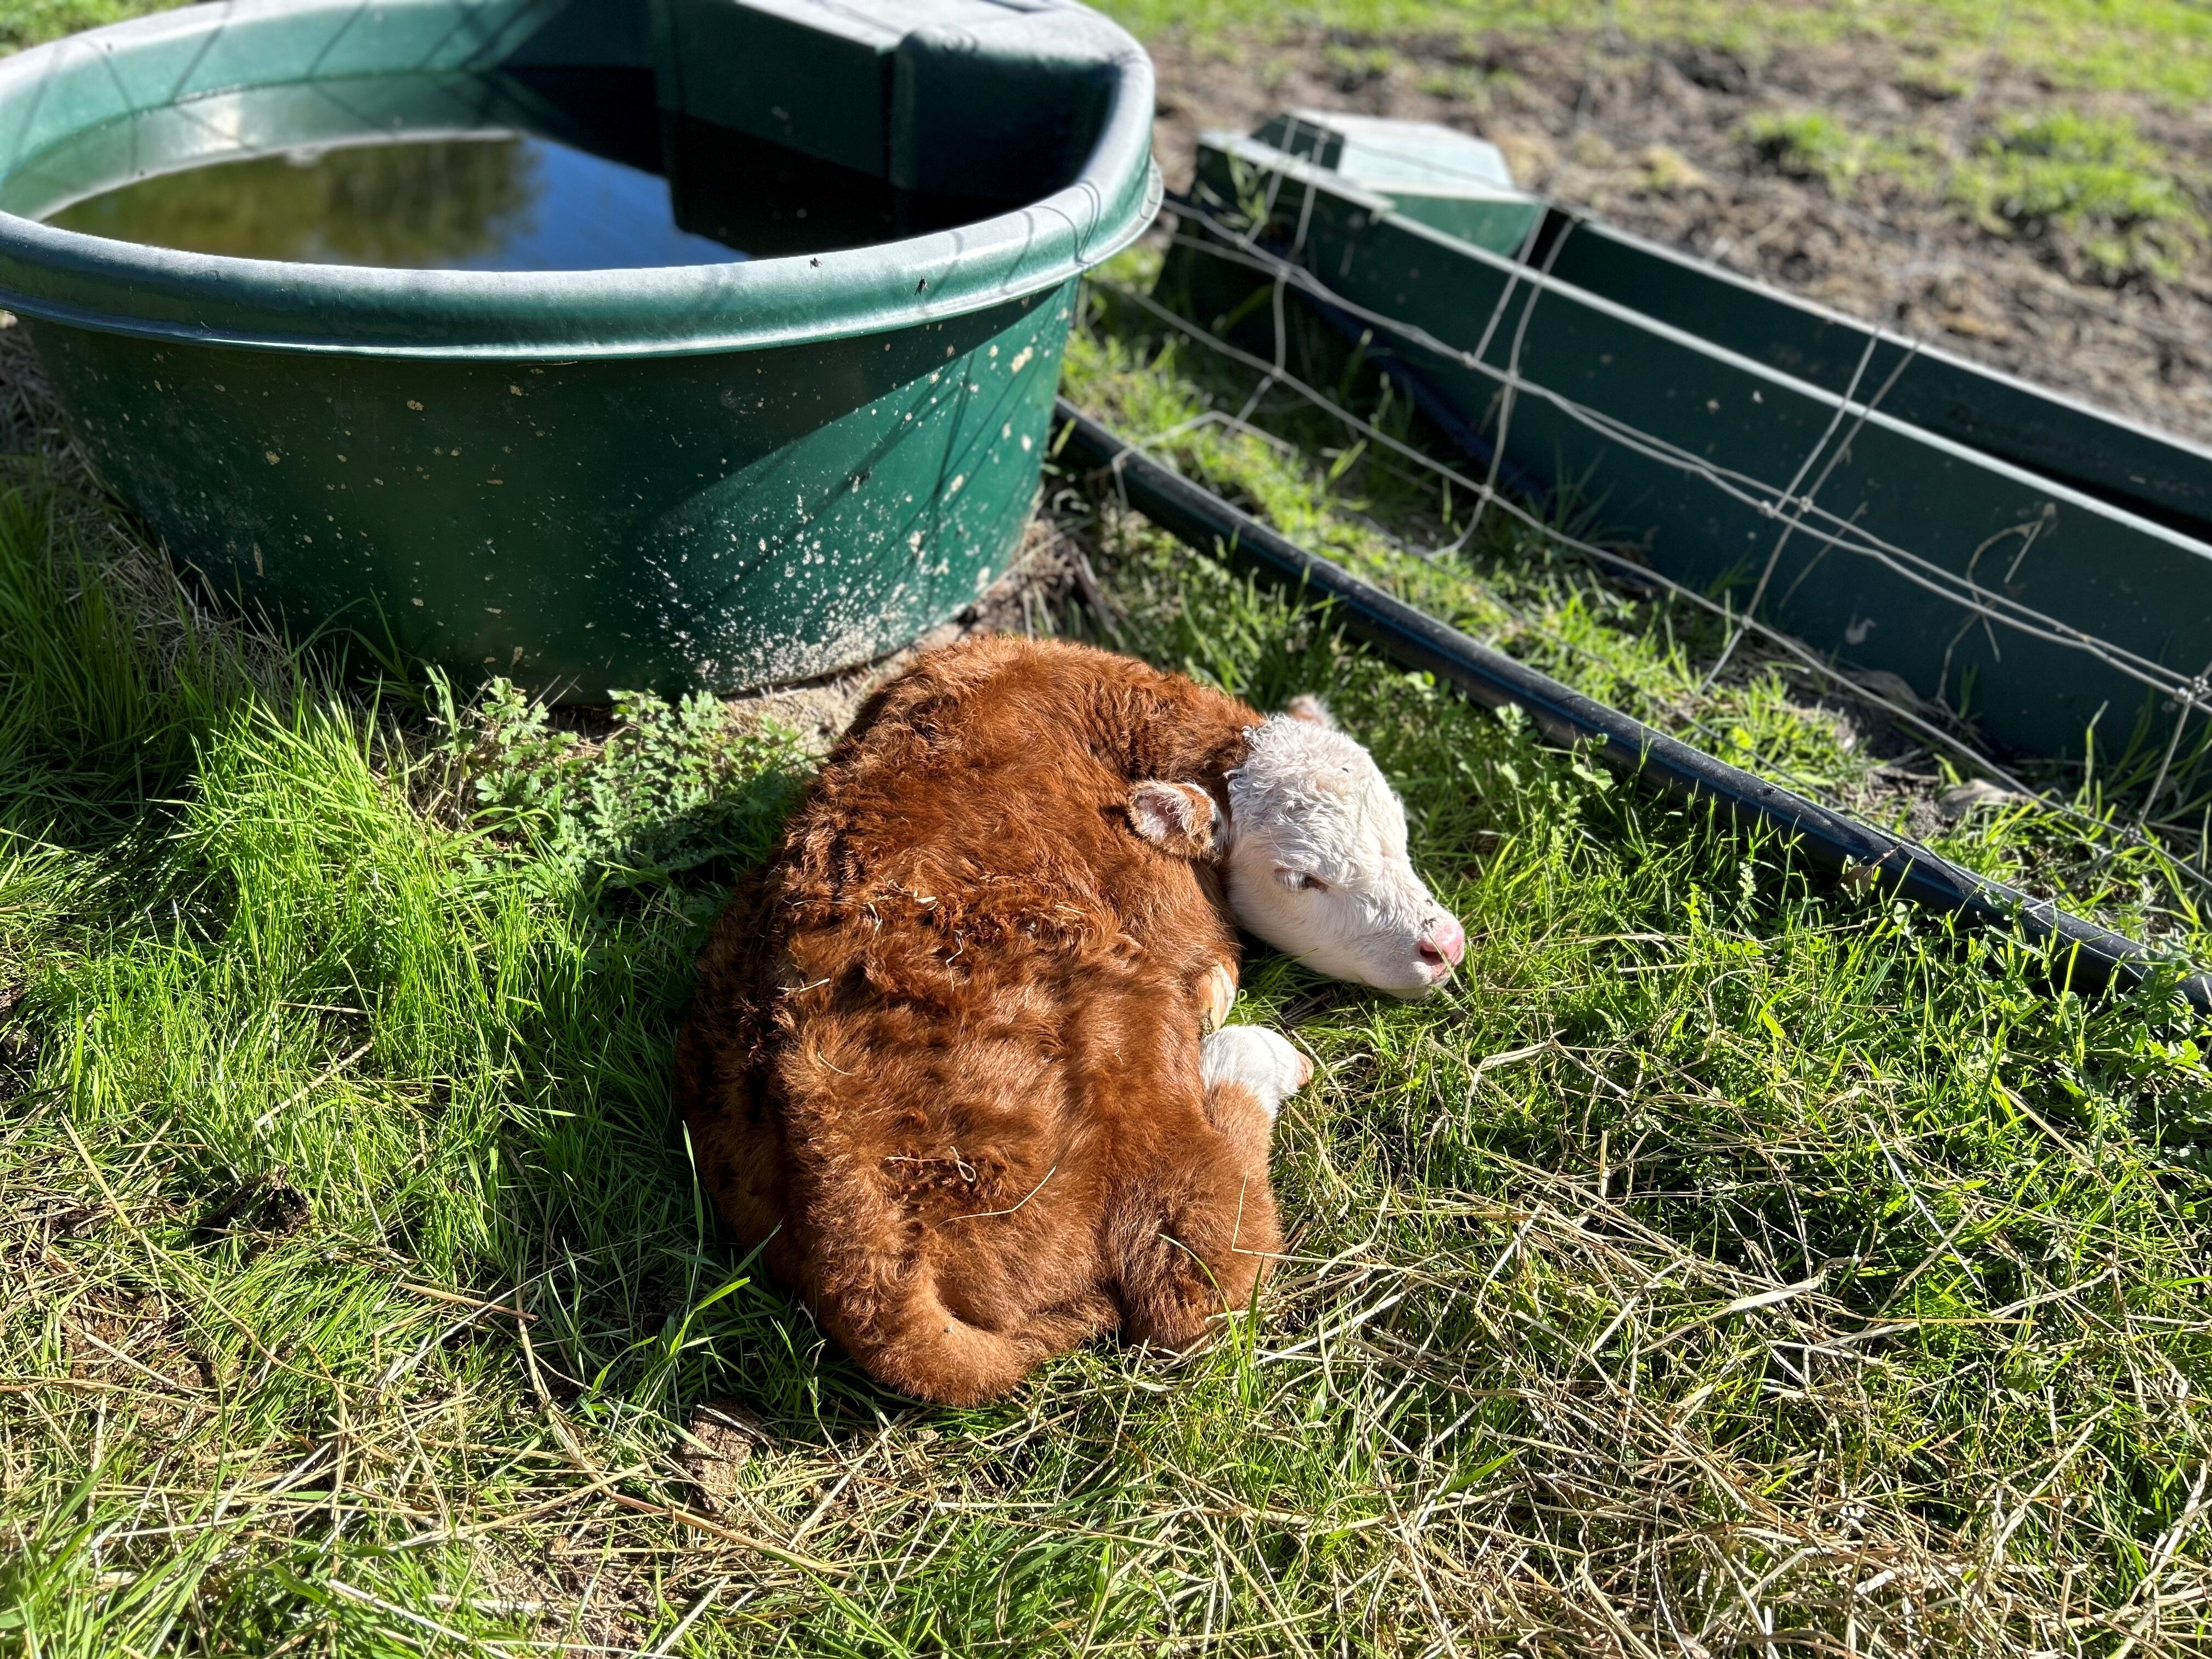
1314, 860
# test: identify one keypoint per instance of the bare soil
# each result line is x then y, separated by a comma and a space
1647, 139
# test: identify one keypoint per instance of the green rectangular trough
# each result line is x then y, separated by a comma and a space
2152, 474
2026, 561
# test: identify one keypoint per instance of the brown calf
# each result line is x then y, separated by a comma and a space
943, 1059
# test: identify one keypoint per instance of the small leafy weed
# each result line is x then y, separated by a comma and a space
671, 788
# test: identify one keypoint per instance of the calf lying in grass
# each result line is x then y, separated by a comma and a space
948, 1057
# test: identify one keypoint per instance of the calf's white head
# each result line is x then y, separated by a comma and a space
1313, 858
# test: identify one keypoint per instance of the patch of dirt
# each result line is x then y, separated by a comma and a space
586, 1589
27, 405
262, 1210
1647, 140
19, 1053
136, 1353
718, 1442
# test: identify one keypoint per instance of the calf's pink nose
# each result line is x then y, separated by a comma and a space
1445, 942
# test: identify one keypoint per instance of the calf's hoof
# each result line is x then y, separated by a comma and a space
1217, 990
1261, 1060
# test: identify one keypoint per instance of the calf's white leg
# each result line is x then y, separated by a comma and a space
1261, 1060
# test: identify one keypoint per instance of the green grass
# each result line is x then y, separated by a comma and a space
30, 23
1814, 144
2114, 198
1726, 1254
1728, 1259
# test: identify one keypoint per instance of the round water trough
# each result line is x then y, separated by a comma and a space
803, 449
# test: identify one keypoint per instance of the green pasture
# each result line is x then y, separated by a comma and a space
1722, 1250
1727, 1263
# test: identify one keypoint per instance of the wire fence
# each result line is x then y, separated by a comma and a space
1796, 512
1794, 507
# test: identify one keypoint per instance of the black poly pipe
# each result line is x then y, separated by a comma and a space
2097, 956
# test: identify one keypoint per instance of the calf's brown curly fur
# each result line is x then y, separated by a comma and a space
943, 1059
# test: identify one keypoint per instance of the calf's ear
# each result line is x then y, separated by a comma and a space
1310, 709
1180, 818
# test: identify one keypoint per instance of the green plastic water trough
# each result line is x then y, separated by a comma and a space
725, 475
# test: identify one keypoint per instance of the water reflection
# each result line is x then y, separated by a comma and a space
491, 201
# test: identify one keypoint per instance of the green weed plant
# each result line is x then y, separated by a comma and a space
671, 788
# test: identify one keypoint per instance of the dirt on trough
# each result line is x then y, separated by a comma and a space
1654, 140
